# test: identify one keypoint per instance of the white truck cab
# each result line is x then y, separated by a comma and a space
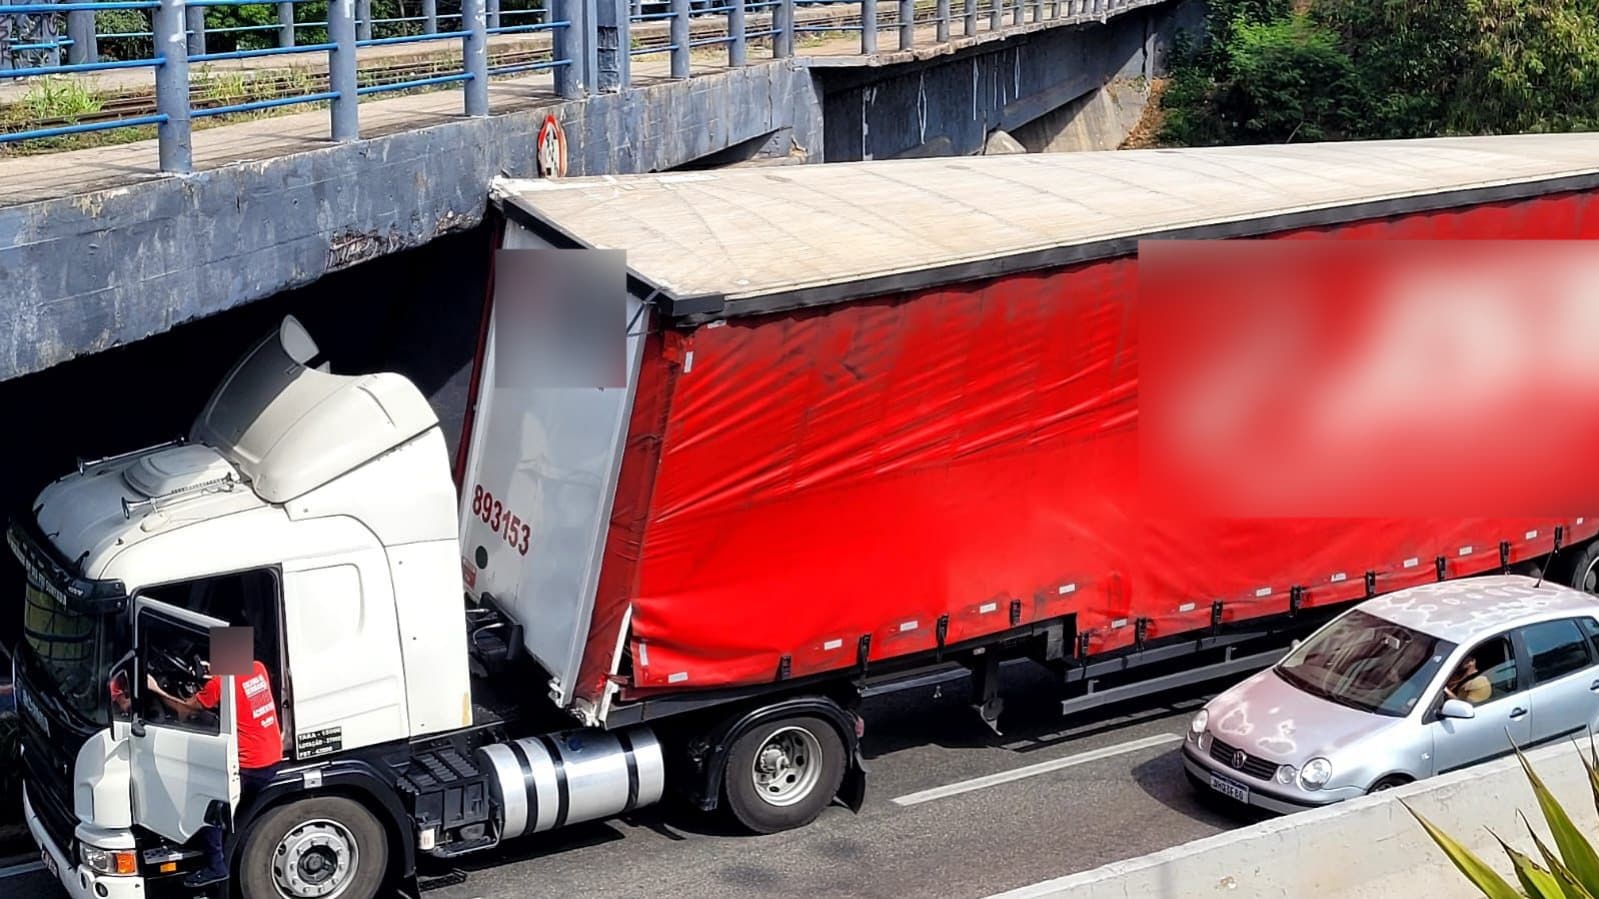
319, 510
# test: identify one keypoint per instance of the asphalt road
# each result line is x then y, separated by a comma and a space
1099, 788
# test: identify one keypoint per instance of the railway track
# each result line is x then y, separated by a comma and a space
290, 81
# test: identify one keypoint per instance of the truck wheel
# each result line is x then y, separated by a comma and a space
326, 847
781, 774
1580, 569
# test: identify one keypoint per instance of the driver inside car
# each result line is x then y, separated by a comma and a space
260, 748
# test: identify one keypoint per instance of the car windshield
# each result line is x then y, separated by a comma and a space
69, 649
1366, 662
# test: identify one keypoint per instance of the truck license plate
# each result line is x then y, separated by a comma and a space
49, 862
1230, 789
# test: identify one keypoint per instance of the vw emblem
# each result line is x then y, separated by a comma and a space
1239, 758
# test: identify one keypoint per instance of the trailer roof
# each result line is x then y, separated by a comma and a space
734, 241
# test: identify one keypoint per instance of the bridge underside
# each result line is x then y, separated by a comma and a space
83, 273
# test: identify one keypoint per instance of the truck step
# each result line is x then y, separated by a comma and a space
465, 847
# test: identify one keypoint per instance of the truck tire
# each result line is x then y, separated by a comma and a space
323, 847
1578, 567
780, 774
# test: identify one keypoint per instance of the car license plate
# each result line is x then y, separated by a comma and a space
1230, 789
49, 863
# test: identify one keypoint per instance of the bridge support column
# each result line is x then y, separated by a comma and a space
783, 29
475, 56
285, 24
613, 69
680, 37
172, 88
80, 29
196, 25
737, 46
341, 70
572, 44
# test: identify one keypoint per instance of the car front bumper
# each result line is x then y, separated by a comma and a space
1200, 769
79, 882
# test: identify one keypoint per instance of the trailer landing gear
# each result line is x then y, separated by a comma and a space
985, 690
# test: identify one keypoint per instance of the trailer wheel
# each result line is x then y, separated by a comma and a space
781, 774
325, 847
1581, 569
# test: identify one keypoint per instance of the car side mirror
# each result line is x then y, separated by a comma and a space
1457, 708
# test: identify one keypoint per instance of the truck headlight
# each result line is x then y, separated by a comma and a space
108, 861
1316, 774
1197, 725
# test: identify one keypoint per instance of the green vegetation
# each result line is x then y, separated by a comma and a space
1571, 874
1270, 71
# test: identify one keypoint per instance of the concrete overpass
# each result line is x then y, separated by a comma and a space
100, 248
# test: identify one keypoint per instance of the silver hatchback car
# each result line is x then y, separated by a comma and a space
1401, 687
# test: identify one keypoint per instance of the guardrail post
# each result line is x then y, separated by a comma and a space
475, 55
907, 24
680, 47
996, 15
868, 27
430, 16
943, 21
736, 34
196, 25
363, 20
613, 61
172, 87
971, 18
783, 29
492, 7
1038, 10
286, 23
573, 43
1018, 12
80, 30
341, 70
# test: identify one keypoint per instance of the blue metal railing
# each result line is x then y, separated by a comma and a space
590, 46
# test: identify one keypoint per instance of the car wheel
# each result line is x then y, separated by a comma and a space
1388, 783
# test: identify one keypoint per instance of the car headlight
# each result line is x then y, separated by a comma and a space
1197, 726
1316, 774
108, 861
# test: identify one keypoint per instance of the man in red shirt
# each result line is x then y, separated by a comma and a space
260, 748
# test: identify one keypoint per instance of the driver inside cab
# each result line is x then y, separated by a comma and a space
260, 747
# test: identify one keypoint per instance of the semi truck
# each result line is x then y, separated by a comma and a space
875, 419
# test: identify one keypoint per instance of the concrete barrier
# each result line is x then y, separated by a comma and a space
1367, 848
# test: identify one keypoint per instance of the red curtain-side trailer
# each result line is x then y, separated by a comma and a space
879, 410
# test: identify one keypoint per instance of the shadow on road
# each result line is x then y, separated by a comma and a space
1163, 779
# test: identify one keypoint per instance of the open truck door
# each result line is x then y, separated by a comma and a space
182, 763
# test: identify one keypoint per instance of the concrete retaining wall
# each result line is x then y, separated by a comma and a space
85, 273
1369, 848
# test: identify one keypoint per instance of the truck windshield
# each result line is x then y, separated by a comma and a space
1367, 663
69, 649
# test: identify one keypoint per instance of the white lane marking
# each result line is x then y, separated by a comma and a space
989, 780
19, 870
